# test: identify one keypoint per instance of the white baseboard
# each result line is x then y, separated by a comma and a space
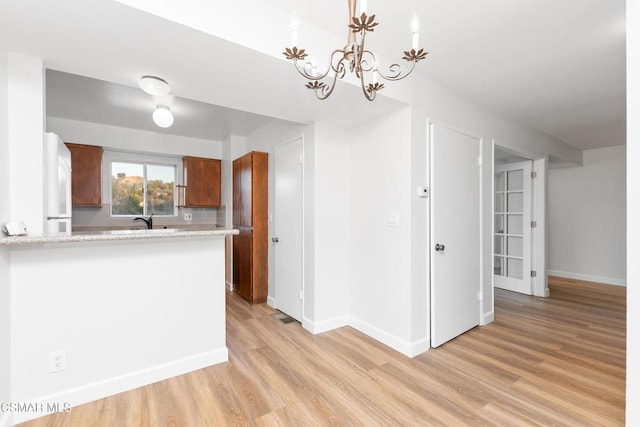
229, 286
325, 325
6, 419
487, 318
419, 347
271, 302
588, 277
398, 344
98, 390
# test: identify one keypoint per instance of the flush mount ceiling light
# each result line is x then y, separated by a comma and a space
162, 116
154, 85
354, 56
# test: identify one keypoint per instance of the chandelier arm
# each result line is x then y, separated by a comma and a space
396, 73
325, 91
369, 94
361, 50
394, 69
338, 68
364, 64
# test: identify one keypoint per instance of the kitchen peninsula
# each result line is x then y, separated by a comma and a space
126, 308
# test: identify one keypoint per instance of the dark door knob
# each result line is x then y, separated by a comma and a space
439, 247
275, 239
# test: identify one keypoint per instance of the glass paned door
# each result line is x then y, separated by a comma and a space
512, 226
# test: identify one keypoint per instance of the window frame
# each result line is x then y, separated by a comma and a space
111, 156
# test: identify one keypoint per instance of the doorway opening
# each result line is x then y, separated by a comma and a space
519, 222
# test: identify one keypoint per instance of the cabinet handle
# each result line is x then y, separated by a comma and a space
275, 239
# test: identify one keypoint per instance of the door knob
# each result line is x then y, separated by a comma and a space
439, 247
275, 239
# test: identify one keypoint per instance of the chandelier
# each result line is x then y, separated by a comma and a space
353, 56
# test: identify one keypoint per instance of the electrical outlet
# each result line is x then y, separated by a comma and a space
188, 216
57, 361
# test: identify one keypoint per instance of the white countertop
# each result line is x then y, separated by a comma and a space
106, 235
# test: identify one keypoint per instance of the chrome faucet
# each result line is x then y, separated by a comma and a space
148, 221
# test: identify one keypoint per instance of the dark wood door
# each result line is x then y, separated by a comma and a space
86, 175
203, 177
250, 215
242, 263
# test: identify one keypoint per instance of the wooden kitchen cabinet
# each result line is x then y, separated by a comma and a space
242, 264
86, 175
250, 217
203, 181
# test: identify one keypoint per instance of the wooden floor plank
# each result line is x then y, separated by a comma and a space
543, 361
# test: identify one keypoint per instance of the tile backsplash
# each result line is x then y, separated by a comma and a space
100, 218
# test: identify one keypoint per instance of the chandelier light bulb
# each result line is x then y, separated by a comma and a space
363, 6
415, 23
415, 31
162, 116
294, 25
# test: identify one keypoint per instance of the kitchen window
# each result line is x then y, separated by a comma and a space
141, 185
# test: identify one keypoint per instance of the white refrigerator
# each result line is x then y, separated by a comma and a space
57, 185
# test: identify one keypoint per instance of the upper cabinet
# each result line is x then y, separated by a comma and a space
86, 175
202, 178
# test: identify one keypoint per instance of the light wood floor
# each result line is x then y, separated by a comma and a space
553, 361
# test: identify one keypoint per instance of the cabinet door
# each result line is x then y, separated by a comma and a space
86, 175
203, 180
242, 191
242, 263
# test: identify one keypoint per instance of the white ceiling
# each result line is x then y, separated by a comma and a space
92, 100
557, 65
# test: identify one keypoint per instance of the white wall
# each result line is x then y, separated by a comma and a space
420, 268
26, 126
380, 281
132, 139
333, 203
122, 322
587, 218
633, 212
21, 160
5, 333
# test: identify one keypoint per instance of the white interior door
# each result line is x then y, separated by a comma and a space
512, 227
287, 237
455, 232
